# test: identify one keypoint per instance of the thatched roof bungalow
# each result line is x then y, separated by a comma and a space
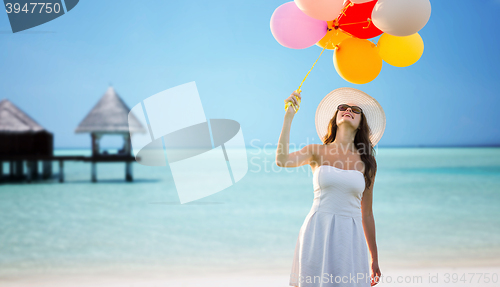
22, 136
110, 116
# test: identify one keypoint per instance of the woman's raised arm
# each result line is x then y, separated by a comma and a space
283, 157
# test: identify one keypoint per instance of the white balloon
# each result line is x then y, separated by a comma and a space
401, 17
360, 1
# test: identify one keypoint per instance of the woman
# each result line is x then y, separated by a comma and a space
331, 248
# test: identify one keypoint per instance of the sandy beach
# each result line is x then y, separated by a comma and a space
424, 277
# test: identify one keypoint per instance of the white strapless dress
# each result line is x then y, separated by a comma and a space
331, 248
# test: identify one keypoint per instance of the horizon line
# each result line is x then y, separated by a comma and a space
384, 146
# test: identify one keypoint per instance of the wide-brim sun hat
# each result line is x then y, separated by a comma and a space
373, 111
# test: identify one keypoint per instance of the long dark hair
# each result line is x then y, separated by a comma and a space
361, 141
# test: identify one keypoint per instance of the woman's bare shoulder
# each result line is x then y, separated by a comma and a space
313, 149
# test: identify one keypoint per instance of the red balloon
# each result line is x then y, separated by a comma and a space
355, 20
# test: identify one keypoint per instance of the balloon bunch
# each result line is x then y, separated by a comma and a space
346, 26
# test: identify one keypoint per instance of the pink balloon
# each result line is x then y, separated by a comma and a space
294, 29
326, 10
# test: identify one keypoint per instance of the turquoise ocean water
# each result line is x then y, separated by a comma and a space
432, 207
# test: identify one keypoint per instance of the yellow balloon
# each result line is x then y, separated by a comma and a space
401, 51
332, 37
357, 60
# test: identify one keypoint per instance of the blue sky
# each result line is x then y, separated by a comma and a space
56, 72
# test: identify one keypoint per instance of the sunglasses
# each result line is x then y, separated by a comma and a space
354, 109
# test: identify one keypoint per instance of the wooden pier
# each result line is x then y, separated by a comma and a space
17, 163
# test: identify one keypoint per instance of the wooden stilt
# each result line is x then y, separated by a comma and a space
29, 170
128, 171
46, 169
34, 169
94, 171
11, 169
61, 171
127, 151
19, 170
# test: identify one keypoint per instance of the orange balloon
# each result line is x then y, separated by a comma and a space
357, 60
332, 37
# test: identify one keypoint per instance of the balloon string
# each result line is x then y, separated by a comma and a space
345, 9
299, 90
369, 21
